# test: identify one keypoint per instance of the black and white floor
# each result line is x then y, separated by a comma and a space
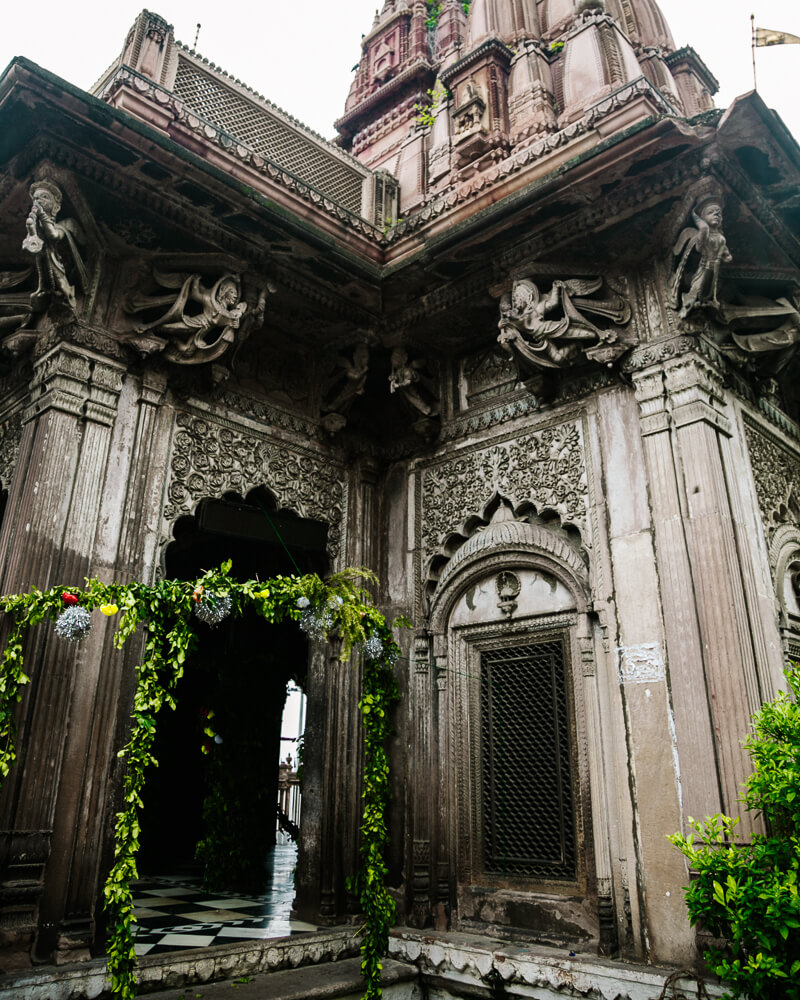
174, 911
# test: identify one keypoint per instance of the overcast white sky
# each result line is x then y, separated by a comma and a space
299, 53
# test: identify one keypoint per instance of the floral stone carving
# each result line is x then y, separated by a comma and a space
546, 469
549, 331
210, 460
777, 477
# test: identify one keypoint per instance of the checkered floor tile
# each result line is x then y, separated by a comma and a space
174, 911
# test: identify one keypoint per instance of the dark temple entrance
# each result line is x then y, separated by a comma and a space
210, 806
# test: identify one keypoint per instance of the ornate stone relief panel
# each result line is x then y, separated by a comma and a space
545, 468
776, 471
484, 376
210, 459
10, 436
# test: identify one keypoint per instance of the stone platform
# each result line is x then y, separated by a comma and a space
325, 965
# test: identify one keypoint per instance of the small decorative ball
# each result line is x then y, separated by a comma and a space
214, 608
74, 624
373, 647
316, 622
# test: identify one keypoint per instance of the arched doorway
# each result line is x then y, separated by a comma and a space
210, 809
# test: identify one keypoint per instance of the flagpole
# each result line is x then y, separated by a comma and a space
753, 47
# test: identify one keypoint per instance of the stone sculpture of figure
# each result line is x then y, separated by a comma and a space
772, 348
550, 331
348, 380
407, 378
200, 321
708, 241
44, 241
15, 306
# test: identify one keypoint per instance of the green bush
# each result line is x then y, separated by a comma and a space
747, 894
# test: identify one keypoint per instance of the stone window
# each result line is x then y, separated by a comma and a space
528, 827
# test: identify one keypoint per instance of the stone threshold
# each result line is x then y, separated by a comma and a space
186, 967
453, 963
465, 965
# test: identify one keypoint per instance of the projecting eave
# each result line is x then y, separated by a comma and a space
37, 105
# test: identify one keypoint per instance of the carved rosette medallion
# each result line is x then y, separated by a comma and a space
546, 469
210, 459
776, 472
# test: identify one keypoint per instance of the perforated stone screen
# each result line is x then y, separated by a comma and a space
528, 823
255, 127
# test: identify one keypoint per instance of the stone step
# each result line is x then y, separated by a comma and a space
314, 982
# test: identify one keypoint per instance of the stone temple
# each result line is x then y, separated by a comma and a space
522, 341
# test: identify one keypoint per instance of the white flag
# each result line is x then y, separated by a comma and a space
766, 37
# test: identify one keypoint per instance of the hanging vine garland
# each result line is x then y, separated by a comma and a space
168, 610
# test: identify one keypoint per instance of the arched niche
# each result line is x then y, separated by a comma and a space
513, 643
785, 564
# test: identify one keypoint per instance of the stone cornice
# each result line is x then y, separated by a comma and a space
418, 68
492, 46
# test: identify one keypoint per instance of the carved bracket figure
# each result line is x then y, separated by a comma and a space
551, 331
763, 332
57, 265
347, 381
417, 389
700, 251
198, 323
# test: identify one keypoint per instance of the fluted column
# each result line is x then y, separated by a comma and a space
697, 408
700, 781
50, 538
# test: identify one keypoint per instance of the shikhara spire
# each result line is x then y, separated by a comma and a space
504, 75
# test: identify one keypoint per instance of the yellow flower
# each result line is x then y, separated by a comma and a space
109, 609
262, 593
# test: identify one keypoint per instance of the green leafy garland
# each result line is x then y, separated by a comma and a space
165, 609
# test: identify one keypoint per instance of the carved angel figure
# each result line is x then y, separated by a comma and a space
708, 242
347, 381
200, 321
408, 378
44, 241
15, 306
773, 347
550, 331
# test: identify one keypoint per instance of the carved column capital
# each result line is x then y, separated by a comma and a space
651, 396
696, 393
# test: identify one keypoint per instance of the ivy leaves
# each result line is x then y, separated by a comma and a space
164, 611
749, 894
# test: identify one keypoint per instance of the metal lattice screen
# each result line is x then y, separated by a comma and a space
528, 822
257, 128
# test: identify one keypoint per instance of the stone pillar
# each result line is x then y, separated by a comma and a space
50, 538
444, 812
653, 769
699, 778
601, 824
423, 783
697, 405
308, 903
